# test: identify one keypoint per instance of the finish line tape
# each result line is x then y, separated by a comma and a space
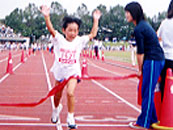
60, 87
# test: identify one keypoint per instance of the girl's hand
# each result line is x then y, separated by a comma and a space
45, 10
96, 14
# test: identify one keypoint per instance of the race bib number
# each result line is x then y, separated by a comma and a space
67, 56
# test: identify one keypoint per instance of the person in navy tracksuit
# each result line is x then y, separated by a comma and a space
150, 57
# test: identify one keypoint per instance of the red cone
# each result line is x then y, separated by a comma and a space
103, 56
22, 57
94, 56
91, 53
166, 118
29, 51
84, 68
10, 64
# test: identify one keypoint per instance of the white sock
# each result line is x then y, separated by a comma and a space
70, 115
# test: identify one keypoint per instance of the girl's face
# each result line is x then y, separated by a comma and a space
71, 31
129, 17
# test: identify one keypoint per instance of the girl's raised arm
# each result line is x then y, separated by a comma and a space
96, 17
46, 12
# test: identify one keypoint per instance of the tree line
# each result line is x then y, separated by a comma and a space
30, 22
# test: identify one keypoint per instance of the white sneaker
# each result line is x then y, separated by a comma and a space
55, 114
71, 122
136, 126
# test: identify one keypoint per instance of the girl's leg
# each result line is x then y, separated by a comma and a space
58, 107
71, 85
57, 96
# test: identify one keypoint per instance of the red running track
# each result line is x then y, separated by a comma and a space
100, 105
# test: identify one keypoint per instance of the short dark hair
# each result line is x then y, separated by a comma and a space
136, 11
170, 10
67, 20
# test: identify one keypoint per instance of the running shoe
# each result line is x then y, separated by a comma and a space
55, 114
136, 126
71, 122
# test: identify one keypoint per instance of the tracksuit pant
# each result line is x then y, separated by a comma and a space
151, 73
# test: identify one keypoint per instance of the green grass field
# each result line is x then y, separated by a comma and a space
124, 56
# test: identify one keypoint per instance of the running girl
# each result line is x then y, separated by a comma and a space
67, 52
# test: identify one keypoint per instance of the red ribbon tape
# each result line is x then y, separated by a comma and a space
60, 86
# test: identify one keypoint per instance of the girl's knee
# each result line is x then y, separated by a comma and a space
70, 94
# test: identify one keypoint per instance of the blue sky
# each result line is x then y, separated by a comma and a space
150, 7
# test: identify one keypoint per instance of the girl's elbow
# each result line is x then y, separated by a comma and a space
92, 36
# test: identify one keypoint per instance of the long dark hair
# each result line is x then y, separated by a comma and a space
170, 10
136, 11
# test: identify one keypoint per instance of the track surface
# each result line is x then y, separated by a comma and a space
100, 104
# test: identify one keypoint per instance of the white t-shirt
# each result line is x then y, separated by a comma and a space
165, 32
67, 56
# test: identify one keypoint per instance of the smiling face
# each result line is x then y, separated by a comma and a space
71, 31
129, 17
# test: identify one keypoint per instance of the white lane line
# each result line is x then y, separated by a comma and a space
6, 75
111, 92
48, 79
64, 125
58, 125
10, 117
5, 59
90, 118
117, 96
17, 66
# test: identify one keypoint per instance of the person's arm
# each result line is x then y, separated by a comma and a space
140, 59
139, 37
96, 17
46, 12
